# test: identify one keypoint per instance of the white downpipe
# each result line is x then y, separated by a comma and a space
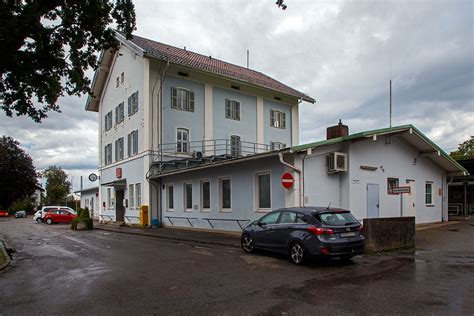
300, 178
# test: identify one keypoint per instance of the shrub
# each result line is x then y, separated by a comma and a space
83, 217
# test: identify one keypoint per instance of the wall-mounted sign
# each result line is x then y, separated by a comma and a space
118, 173
287, 180
400, 190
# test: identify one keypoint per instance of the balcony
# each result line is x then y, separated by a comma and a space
182, 155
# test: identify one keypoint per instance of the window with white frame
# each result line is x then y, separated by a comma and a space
277, 145
132, 143
108, 121
110, 198
235, 146
119, 149
232, 109
429, 193
263, 191
138, 194
133, 103
182, 140
108, 154
205, 195
169, 197
182, 99
119, 113
188, 196
131, 196
277, 119
225, 194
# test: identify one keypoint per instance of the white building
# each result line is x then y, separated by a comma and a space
204, 143
157, 103
90, 199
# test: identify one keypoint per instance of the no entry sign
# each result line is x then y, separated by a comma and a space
287, 180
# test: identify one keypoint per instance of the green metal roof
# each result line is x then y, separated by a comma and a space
381, 131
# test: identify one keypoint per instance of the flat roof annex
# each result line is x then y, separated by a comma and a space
410, 134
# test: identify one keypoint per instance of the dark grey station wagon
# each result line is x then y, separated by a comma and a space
303, 232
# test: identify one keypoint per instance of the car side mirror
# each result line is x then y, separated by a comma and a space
261, 224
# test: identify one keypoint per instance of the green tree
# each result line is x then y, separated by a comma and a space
47, 46
57, 185
18, 176
465, 150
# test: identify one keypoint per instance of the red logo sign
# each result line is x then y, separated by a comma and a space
118, 173
287, 180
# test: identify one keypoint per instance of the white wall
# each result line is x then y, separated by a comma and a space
393, 158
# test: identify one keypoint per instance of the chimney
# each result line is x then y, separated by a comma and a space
338, 130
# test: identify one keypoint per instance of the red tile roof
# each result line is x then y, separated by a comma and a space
184, 57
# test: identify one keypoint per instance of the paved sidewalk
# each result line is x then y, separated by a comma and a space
178, 234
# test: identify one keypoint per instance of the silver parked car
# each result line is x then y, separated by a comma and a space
20, 214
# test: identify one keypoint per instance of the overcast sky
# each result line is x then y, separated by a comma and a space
338, 52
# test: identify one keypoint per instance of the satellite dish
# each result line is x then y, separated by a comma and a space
93, 177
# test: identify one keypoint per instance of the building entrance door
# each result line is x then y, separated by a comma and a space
119, 207
409, 205
373, 203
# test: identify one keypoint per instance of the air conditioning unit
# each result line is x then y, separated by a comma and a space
337, 162
197, 154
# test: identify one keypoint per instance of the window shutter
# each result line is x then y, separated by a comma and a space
227, 108
129, 144
105, 155
174, 101
116, 151
135, 105
110, 119
191, 101
129, 106
237, 111
272, 118
116, 115
135, 142
283, 120
105, 122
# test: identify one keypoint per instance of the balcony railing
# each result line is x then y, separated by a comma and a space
208, 148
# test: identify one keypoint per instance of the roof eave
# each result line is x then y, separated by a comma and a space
300, 95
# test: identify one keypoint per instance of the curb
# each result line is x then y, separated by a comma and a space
175, 239
435, 225
5, 254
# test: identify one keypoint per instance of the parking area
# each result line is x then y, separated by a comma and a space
58, 271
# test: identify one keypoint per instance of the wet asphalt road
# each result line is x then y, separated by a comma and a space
59, 271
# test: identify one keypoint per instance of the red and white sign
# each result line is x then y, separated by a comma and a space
118, 173
401, 190
287, 180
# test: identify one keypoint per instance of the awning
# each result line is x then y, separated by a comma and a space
116, 183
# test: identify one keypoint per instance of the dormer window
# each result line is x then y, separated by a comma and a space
182, 99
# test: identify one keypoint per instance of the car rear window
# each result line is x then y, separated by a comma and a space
336, 218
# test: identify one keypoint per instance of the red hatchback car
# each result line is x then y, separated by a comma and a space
58, 216
3, 213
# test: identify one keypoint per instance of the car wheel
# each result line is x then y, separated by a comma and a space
49, 221
247, 244
297, 253
39, 220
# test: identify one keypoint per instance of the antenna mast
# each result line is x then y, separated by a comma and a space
248, 58
390, 120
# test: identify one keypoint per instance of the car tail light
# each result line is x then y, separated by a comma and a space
324, 250
321, 231
361, 229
